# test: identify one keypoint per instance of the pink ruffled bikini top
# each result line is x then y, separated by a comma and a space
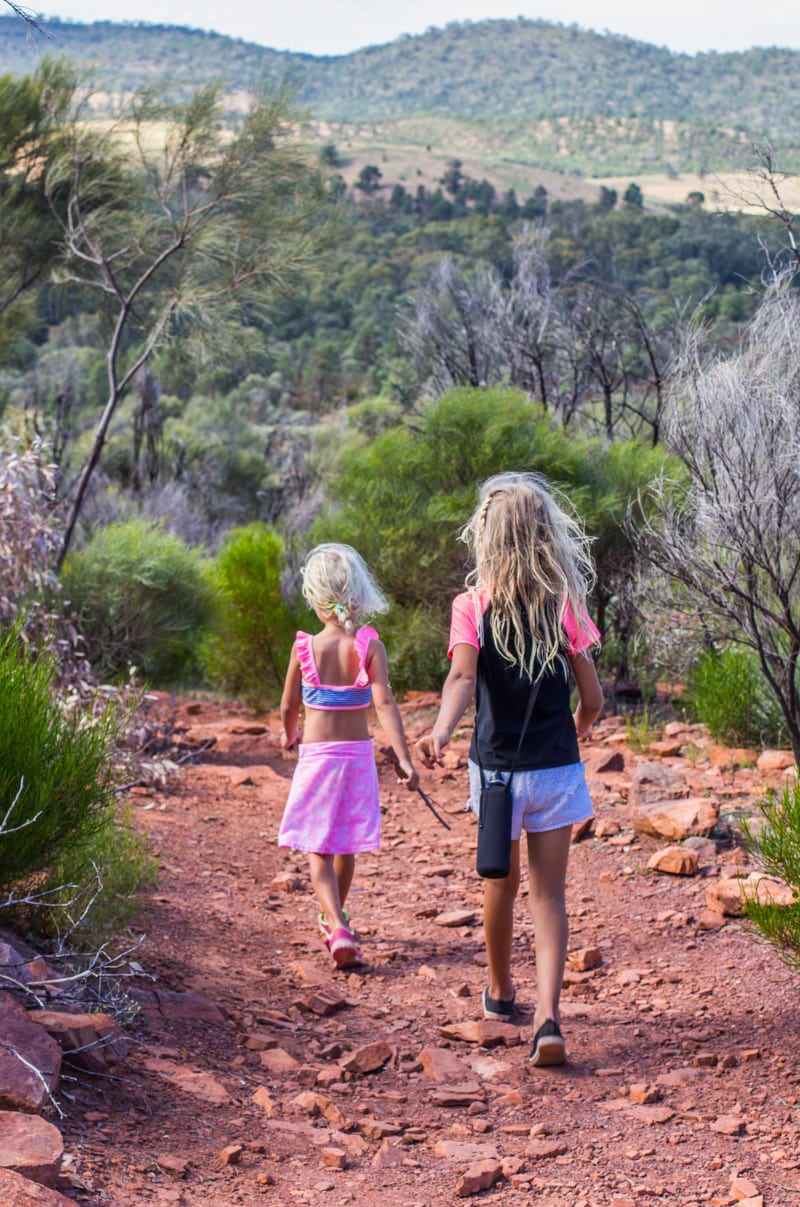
329, 696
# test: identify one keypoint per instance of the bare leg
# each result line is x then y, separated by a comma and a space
498, 927
344, 866
548, 855
326, 886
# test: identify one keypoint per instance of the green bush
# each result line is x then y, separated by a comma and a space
728, 693
141, 598
114, 864
56, 767
253, 628
774, 840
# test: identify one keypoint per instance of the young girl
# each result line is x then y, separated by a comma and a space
333, 810
523, 622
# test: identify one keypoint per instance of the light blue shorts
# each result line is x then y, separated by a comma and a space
546, 799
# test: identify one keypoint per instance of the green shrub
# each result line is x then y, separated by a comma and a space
55, 765
728, 693
114, 864
253, 628
141, 598
774, 840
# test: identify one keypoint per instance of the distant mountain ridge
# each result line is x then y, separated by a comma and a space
504, 73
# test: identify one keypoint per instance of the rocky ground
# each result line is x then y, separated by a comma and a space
261, 1076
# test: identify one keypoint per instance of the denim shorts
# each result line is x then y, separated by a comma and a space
546, 799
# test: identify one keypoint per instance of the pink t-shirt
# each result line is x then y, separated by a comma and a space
469, 606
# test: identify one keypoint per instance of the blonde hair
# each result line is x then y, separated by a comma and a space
533, 558
337, 580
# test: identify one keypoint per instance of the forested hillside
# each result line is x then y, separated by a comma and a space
555, 95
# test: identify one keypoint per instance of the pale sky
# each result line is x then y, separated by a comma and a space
338, 26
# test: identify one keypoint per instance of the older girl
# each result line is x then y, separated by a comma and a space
523, 621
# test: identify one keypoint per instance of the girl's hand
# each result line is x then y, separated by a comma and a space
407, 774
291, 744
431, 746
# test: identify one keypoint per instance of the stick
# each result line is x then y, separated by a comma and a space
388, 752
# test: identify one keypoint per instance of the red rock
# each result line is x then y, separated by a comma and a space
585, 958
466, 1095
480, 1176
743, 1188
16, 1191
656, 782
368, 1059
728, 1125
278, 1061
334, 1158
389, 1156
606, 827
91, 1041
443, 1065
485, 1033
379, 1129
231, 1154
21, 963
21, 1087
667, 748
176, 1167
543, 1150
675, 819
731, 758
710, 919
262, 1098
775, 760
674, 860
464, 1151
728, 896
324, 1004
643, 1095
651, 1114
30, 1146
611, 763
582, 829
455, 917
286, 882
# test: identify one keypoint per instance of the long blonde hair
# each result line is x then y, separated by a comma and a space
337, 580
532, 556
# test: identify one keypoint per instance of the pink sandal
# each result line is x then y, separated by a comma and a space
342, 947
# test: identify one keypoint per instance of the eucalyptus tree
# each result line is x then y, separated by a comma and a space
197, 225
33, 110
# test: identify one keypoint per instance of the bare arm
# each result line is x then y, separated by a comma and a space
290, 703
458, 690
589, 690
388, 713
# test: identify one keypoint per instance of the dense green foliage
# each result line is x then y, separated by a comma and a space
57, 769
728, 693
141, 599
552, 94
251, 635
773, 838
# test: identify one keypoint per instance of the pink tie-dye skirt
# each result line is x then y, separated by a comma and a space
333, 806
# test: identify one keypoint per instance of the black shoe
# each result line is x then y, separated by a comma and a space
497, 1009
548, 1045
